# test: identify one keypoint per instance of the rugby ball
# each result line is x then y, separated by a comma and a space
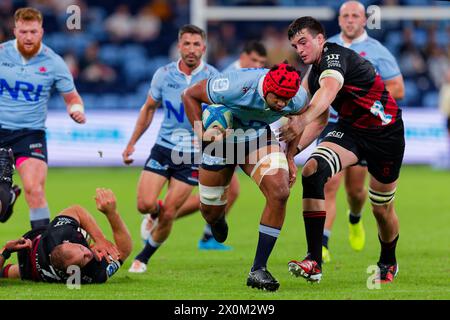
217, 116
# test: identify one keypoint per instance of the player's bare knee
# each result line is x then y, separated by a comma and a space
145, 206
169, 214
356, 193
309, 168
35, 192
279, 194
381, 212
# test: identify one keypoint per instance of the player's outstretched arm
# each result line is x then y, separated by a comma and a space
313, 130
193, 97
320, 102
142, 123
75, 106
106, 203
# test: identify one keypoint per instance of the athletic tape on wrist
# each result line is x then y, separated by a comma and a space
76, 107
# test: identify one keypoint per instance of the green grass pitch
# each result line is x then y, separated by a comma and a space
180, 271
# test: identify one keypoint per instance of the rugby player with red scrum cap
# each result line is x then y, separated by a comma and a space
256, 98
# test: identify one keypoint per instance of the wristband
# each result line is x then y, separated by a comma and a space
299, 149
76, 107
6, 254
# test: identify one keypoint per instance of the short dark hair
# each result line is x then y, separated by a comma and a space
255, 46
190, 28
314, 27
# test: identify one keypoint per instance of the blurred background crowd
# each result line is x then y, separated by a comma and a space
122, 42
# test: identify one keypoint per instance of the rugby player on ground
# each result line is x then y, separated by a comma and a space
48, 254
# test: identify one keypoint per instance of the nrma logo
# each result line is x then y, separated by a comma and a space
28, 90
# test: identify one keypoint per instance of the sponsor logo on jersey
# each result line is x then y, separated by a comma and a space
153, 164
7, 64
27, 89
173, 85
212, 160
112, 268
62, 221
335, 134
333, 60
221, 84
377, 110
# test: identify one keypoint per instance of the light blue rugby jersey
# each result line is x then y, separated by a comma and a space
25, 86
372, 50
241, 91
167, 85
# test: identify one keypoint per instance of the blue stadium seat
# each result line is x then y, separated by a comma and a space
110, 54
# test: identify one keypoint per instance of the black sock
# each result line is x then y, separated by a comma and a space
354, 219
5, 197
387, 255
314, 223
267, 238
146, 253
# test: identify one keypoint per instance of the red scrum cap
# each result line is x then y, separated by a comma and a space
282, 80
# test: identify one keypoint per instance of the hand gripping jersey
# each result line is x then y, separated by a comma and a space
372, 50
167, 85
36, 262
25, 86
241, 91
363, 100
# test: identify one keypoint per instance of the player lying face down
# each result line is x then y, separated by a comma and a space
256, 98
50, 254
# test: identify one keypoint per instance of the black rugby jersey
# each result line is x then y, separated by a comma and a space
363, 100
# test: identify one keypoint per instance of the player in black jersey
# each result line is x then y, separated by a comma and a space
369, 128
46, 254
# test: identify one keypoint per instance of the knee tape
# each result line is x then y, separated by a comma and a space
269, 164
213, 196
378, 198
328, 164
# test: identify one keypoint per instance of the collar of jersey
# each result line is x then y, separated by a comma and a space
260, 88
360, 39
21, 56
195, 71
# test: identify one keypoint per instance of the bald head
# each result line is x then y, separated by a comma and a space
352, 19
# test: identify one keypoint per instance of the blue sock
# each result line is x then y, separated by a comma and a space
39, 217
267, 238
326, 237
150, 248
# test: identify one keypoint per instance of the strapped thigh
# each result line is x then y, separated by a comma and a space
378, 198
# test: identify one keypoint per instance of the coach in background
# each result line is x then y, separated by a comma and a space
28, 71
49, 254
352, 20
